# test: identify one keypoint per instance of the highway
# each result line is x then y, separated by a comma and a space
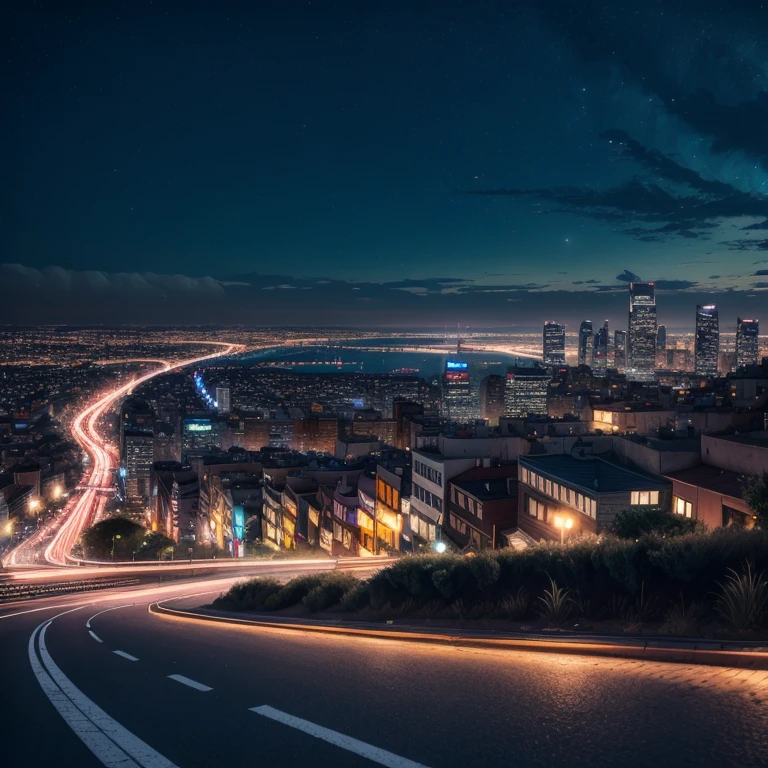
55, 540
97, 680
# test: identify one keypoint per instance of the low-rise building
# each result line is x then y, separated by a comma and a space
561, 496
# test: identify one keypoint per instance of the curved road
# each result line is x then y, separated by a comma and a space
85, 507
142, 689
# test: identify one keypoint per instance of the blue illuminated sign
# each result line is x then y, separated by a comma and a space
454, 365
238, 522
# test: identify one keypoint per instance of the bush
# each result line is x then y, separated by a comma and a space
742, 599
518, 606
248, 595
682, 621
635, 522
330, 591
118, 534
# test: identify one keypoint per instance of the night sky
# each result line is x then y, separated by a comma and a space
370, 163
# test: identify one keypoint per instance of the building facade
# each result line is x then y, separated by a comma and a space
553, 343
526, 392
747, 336
585, 343
641, 348
707, 344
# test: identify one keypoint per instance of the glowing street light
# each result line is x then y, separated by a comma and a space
57, 492
439, 547
563, 523
34, 504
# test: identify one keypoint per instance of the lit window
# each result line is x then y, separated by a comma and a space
683, 507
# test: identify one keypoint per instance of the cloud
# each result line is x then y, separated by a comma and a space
760, 272
674, 285
714, 277
628, 277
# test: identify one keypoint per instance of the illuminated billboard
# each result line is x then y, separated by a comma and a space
457, 377
455, 365
238, 522
197, 425
358, 402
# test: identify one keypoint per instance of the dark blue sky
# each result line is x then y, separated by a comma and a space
168, 162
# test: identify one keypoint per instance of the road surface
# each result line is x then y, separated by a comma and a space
148, 690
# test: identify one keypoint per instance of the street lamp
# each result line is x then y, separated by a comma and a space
563, 523
439, 547
116, 536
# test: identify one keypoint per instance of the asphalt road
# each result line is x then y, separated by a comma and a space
403, 704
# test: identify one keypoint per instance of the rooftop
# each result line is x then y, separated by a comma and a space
711, 478
592, 473
758, 439
487, 490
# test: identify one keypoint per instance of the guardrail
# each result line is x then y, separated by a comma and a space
10, 592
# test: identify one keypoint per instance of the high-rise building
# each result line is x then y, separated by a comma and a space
492, 397
458, 401
525, 392
747, 333
620, 349
585, 342
554, 343
138, 457
641, 348
661, 338
601, 348
223, 400
707, 346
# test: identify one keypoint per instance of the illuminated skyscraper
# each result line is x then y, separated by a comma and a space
526, 392
223, 399
585, 342
600, 352
747, 332
707, 340
641, 350
458, 401
620, 349
554, 344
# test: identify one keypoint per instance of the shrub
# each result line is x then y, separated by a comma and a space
682, 621
742, 599
330, 591
639, 521
557, 604
517, 606
248, 595
356, 598
293, 592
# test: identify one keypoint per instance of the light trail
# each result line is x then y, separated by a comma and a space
84, 509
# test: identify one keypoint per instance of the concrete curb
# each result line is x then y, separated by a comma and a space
652, 649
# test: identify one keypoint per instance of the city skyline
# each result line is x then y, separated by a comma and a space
502, 160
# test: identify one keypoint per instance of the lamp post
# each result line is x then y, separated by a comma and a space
563, 523
116, 536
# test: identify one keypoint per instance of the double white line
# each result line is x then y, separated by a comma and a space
113, 745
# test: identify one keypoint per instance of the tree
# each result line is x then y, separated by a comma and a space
154, 546
639, 521
118, 534
754, 490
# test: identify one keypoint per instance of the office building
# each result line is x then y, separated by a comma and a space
585, 343
458, 401
601, 348
661, 339
641, 348
553, 346
525, 392
620, 349
707, 344
747, 332
492, 397
223, 399
138, 457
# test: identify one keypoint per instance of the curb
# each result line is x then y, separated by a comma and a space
742, 659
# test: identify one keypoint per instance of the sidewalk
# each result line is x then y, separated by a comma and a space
740, 654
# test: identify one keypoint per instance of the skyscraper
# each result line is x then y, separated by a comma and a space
747, 332
585, 342
223, 399
661, 338
492, 397
707, 344
526, 392
600, 352
458, 402
620, 349
641, 351
554, 343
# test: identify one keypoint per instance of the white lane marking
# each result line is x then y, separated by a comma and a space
191, 683
113, 744
125, 655
375, 754
106, 610
95, 636
35, 610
